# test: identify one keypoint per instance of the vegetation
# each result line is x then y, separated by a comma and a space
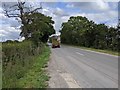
102, 51
36, 77
97, 50
39, 28
17, 58
22, 62
83, 32
34, 25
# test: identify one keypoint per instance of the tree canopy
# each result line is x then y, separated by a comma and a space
34, 25
83, 32
39, 27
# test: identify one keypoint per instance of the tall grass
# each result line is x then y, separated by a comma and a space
17, 58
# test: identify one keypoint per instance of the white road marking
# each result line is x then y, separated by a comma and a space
80, 53
69, 80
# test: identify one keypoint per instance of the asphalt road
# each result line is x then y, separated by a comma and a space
72, 67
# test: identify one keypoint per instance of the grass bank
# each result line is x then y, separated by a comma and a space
22, 64
97, 50
37, 76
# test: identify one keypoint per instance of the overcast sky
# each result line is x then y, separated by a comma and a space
99, 12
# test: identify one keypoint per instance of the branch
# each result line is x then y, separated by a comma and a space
14, 5
35, 10
10, 15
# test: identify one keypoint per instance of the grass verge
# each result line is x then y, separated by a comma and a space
98, 50
102, 51
37, 76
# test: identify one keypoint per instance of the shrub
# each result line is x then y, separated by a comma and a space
17, 57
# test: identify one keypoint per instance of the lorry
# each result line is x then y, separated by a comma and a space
55, 41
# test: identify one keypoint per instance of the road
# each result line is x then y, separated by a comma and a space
72, 67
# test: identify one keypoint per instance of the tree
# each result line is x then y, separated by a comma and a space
20, 10
39, 28
34, 25
81, 31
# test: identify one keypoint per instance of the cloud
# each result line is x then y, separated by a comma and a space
58, 16
11, 21
98, 6
99, 11
59, 12
9, 33
107, 18
8, 27
103, 17
59, 21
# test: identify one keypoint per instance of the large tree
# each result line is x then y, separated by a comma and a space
39, 27
33, 23
81, 31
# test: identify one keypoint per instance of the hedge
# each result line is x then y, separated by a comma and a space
17, 58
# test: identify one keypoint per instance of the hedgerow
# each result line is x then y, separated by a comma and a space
17, 58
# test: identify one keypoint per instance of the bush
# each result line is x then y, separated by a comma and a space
17, 57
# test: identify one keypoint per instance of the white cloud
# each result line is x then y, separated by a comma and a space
102, 5
7, 27
58, 16
107, 18
9, 33
59, 12
99, 5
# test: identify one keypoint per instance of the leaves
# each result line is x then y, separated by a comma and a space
81, 31
32, 22
39, 27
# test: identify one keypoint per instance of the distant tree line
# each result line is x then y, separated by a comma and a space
83, 32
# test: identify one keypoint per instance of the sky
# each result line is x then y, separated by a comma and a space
99, 12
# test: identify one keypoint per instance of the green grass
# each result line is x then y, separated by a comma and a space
98, 50
102, 51
37, 76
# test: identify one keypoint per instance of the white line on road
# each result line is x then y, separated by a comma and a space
69, 80
80, 53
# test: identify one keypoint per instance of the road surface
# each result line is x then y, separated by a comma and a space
72, 67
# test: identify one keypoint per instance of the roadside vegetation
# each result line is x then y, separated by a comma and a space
23, 62
82, 32
97, 50
102, 51
36, 76
20, 58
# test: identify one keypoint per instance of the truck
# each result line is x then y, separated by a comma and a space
55, 41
